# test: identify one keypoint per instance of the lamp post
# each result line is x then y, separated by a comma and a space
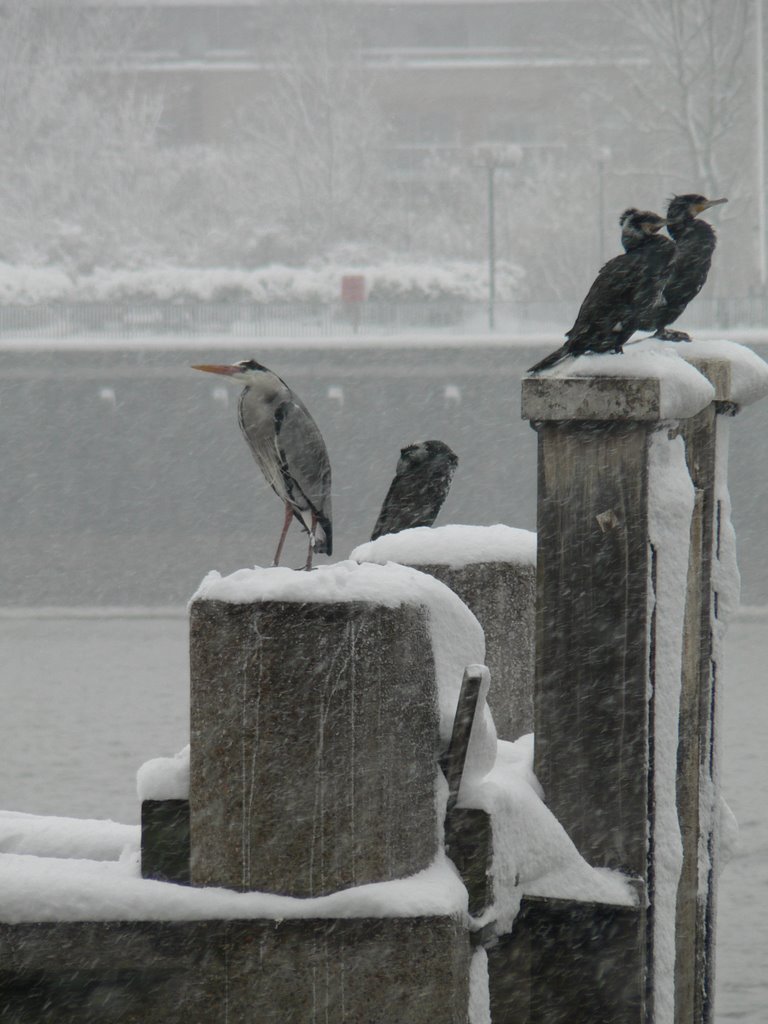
494, 156
762, 258
603, 156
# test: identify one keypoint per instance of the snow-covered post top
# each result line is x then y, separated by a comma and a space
493, 570
319, 704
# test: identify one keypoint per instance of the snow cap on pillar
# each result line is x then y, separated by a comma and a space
743, 376
649, 384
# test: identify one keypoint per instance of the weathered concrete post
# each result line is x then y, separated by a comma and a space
318, 703
493, 571
738, 377
693, 943
313, 733
614, 511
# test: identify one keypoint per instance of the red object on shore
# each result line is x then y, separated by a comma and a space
353, 288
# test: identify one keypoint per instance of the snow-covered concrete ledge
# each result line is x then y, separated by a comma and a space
52, 889
744, 375
59, 869
66, 838
648, 382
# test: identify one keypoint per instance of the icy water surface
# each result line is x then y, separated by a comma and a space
86, 699
135, 481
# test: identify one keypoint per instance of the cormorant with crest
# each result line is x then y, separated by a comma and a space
624, 292
695, 241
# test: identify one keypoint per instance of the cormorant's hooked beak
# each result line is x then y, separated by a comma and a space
700, 207
227, 371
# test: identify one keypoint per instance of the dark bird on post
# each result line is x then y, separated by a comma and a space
624, 292
695, 242
289, 449
420, 486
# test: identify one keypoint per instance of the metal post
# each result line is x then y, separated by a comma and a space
603, 155
601, 210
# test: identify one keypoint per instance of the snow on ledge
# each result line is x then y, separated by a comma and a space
52, 836
164, 778
46, 889
683, 390
532, 853
454, 546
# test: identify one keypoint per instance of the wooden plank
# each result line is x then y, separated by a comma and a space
469, 844
468, 832
456, 755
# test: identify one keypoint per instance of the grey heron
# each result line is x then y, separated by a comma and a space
420, 486
288, 448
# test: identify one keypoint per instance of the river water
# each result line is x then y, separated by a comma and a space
86, 698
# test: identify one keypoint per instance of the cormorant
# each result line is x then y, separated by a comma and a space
624, 292
288, 448
420, 486
695, 241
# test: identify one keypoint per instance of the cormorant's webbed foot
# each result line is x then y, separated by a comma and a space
667, 334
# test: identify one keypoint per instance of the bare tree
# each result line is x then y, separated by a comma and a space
75, 137
315, 136
691, 99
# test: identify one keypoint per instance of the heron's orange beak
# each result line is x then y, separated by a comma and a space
227, 371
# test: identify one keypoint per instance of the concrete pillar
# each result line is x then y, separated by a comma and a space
707, 608
314, 735
615, 503
493, 571
696, 727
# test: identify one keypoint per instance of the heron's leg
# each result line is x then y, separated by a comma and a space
286, 524
311, 549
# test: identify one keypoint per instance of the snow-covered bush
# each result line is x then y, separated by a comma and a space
390, 281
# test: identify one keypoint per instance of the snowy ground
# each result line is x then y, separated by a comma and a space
87, 699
